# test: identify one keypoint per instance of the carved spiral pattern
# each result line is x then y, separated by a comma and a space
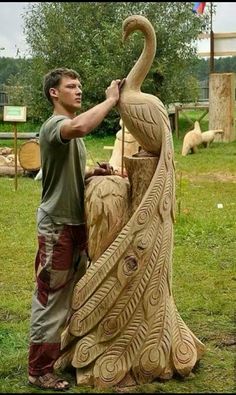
142, 217
154, 297
143, 242
130, 265
109, 326
87, 350
151, 360
83, 352
184, 353
76, 325
166, 202
108, 371
165, 206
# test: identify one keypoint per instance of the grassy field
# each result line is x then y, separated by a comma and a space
204, 277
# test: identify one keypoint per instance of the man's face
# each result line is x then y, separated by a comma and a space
68, 94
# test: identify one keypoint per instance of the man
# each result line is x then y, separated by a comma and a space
61, 256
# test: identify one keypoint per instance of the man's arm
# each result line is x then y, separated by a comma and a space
84, 123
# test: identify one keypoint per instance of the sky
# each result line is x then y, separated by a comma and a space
12, 41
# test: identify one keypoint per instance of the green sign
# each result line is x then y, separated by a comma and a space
14, 114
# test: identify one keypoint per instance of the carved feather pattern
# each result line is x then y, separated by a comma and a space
133, 123
107, 211
143, 113
65, 359
159, 276
145, 240
92, 312
155, 353
100, 269
156, 287
151, 200
166, 269
66, 338
184, 353
112, 366
149, 205
128, 268
120, 314
122, 311
87, 350
148, 120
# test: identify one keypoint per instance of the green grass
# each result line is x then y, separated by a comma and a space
26, 127
204, 279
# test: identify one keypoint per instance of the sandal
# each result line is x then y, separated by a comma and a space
49, 382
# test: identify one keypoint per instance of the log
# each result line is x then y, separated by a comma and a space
10, 170
140, 172
222, 105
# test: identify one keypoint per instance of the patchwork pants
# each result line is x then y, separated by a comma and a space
60, 262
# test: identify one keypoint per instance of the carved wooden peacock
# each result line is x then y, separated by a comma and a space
124, 327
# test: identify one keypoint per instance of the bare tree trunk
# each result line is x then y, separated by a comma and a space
222, 105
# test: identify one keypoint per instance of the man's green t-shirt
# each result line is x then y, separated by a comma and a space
63, 172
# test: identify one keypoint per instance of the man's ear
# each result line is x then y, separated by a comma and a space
53, 92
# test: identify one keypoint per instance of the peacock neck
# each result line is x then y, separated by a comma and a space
138, 73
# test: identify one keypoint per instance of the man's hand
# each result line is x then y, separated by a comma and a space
103, 169
113, 91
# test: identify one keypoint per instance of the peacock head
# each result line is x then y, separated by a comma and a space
132, 23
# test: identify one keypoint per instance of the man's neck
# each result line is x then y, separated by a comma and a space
59, 110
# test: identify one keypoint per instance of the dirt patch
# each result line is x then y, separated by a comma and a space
228, 342
211, 177
224, 340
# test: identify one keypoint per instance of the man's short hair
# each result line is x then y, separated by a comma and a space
53, 78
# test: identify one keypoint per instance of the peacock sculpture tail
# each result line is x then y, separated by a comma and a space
125, 328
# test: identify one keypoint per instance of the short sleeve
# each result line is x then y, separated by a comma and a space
52, 129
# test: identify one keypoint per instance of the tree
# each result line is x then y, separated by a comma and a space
87, 37
9, 67
221, 65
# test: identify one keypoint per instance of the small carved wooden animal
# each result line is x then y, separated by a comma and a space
131, 146
209, 136
192, 139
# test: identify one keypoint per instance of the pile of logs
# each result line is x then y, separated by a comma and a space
7, 162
